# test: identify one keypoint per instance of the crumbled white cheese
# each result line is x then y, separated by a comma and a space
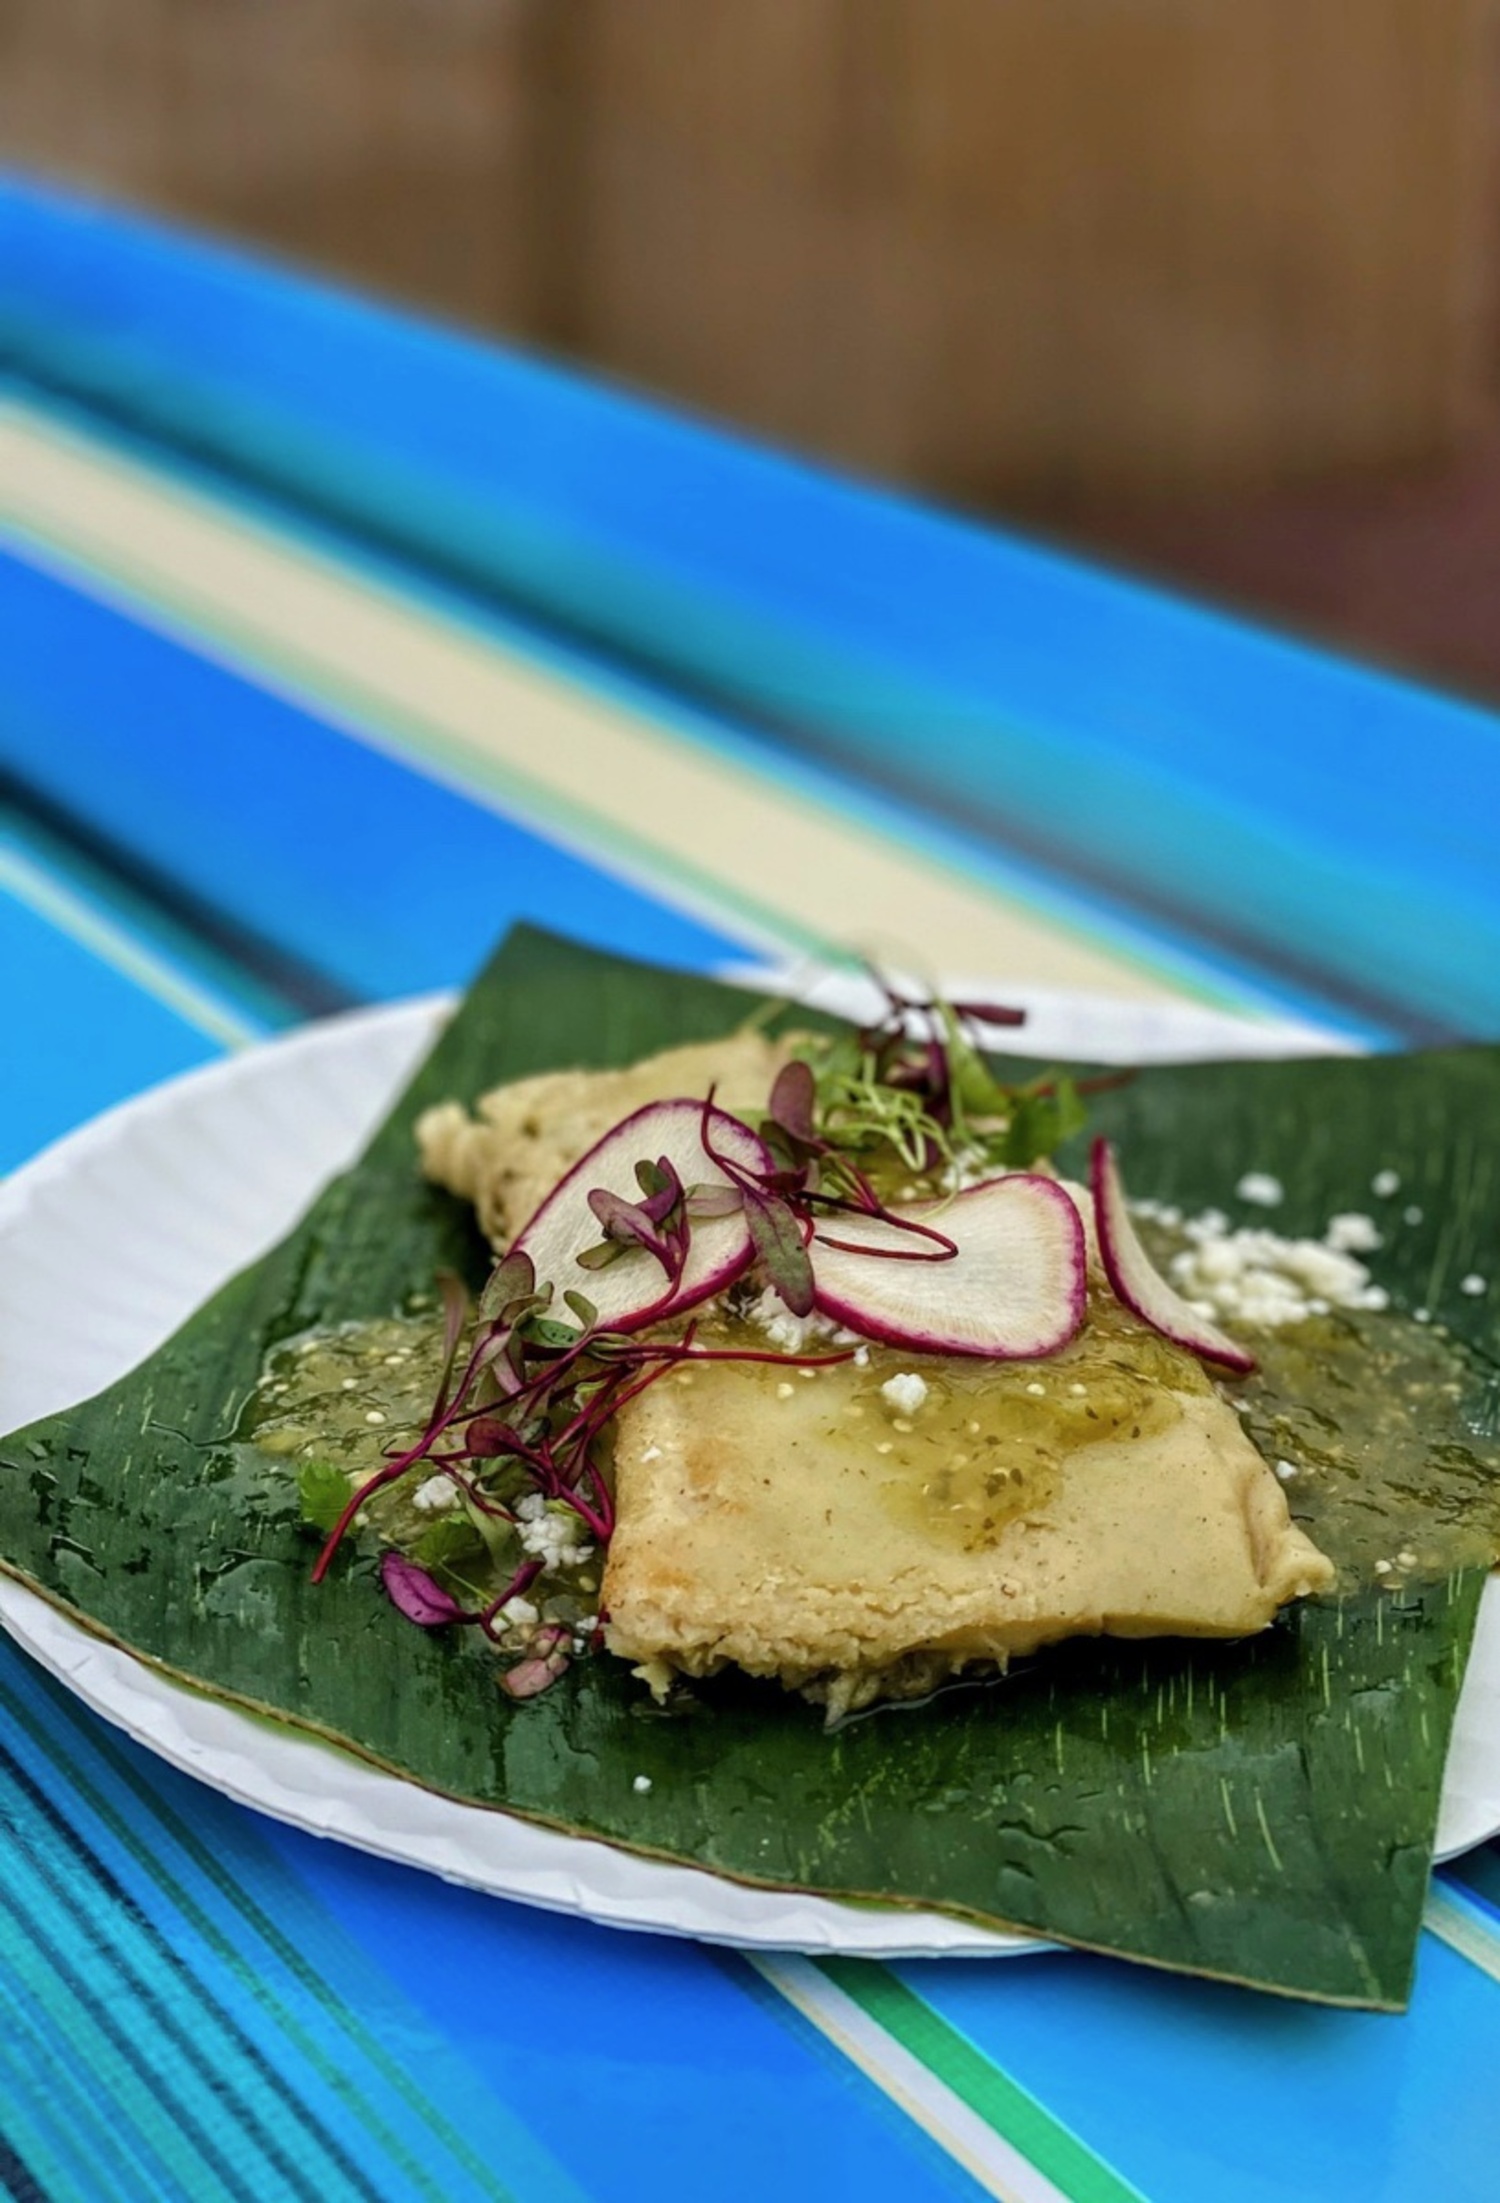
554, 1536
520, 1614
784, 1391
436, 1494
1474, 1284
1385, 1183
1352, 1235
641, 1785
1259, 1187
789, 1334
905, 1392
1286, 1470
530, 1507
1261, 1278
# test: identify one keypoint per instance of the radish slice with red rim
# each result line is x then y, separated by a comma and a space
635, 1288
1137, 1281
1012, 1290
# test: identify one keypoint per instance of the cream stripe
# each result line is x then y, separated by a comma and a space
1465, 1931
92, 930
642, 797
999, 2169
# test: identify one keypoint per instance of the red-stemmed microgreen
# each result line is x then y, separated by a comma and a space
525, 1400
914, 1086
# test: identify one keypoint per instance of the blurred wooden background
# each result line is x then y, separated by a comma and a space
1035, 253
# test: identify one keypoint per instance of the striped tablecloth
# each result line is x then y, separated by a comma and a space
333, 643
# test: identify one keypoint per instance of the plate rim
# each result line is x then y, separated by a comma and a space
239, 1755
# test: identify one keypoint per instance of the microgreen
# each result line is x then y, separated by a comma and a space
417, 1595
781, 1244
452, 1542
913, 1093
525, 1401
322, 1491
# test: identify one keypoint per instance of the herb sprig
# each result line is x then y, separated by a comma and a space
525, 1399
914, 1090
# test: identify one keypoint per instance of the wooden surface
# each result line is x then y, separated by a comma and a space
1032, 253
385, 140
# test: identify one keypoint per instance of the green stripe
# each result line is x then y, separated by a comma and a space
990, 2094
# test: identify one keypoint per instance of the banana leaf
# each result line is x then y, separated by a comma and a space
1261, 1812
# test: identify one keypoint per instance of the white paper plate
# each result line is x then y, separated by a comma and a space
159, 1201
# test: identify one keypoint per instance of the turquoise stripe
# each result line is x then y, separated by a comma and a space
132, 931
53, 2115
310, 842
1112, 926
1193, 2091
83, 1034
1157, 753
40, 1954
277, 1968
223, 2090
652, 2068
128, 1926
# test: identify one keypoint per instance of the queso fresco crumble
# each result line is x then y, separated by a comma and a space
1260, 1277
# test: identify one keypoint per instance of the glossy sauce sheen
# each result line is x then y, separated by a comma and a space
985, 1446
1389, 1427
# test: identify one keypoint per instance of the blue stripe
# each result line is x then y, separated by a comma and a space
315, 842
652, 2067
665, 2045
1192, 2090
88, 1036
553, 2014
54, 2113
1146, 745
17, 2180
188, 2045
195, 1872
1226, 973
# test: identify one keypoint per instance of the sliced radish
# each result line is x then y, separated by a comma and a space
634, 1289
1014, 1289
1140, 1284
